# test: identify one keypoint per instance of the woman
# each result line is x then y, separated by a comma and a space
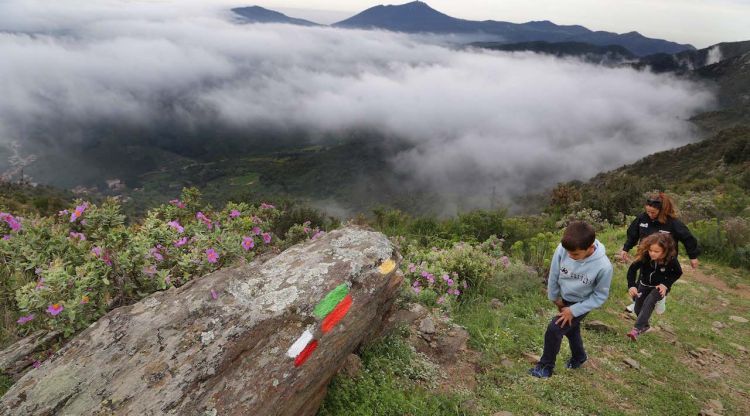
659, 217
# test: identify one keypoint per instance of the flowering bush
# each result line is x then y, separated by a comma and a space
301, 232
65, 271
446, 274
589, 215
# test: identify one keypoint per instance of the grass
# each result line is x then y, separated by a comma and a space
390, 384
5, 383
670, 379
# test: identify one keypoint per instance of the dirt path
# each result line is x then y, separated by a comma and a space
698, 275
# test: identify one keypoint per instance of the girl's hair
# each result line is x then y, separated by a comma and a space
664, 240
664, 204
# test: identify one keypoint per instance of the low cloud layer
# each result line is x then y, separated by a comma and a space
469, 120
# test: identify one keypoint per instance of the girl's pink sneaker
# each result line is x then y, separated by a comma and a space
633, 334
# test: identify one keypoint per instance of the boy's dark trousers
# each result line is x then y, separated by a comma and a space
644, 305
554, 335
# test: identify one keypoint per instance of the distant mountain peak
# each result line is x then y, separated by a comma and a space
257, 14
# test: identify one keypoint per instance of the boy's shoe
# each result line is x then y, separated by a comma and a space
633, 334
631, 307
577, 363
661, 306
540, 371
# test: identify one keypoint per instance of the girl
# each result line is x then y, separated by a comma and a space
659, 216
659, 269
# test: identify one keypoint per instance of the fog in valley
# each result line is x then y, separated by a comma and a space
455, 121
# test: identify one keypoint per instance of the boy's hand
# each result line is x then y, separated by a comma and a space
694, 263
662, 290
560, 304
565, 317
633, 292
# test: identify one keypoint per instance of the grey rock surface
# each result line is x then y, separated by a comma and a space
181, 352
16, 359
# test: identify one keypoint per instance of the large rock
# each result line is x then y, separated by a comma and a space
182, 352
16, 359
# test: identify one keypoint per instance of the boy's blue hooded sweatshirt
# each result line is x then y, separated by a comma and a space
583, 281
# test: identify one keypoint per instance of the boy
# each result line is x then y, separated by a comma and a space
579, 279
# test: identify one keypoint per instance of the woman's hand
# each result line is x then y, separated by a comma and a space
633, 292
662, 290
624, 256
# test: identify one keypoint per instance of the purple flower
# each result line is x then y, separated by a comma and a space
6, 237
505, 261
449, 282
214, 295
176, 225
317, 235
177, 203
36, 364
266, 206
79, 210
55, 309
257, 230
63, 213
266, 238
416, 289
234, 214
181, 242
40, 284
247, 243
412, 267
77, 236
22, 320
441, 300
465, 285
154, 252
103, 255
212, 256
12, 222
446, 277
202, 218
150, 270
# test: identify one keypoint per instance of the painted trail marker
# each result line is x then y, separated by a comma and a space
387, 266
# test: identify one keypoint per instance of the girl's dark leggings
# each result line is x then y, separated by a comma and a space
644, 305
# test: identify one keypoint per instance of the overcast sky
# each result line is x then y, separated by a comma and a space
699, 22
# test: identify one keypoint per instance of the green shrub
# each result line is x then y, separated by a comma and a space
591, 216
537, 251
727, 241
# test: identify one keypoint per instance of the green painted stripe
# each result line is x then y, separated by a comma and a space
330, 301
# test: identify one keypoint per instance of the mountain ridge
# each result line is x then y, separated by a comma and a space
418, 17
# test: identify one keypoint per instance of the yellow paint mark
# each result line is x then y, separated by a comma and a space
387, 266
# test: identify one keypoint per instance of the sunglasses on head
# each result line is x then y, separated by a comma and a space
653, 203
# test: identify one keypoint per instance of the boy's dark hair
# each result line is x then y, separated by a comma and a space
578, 235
